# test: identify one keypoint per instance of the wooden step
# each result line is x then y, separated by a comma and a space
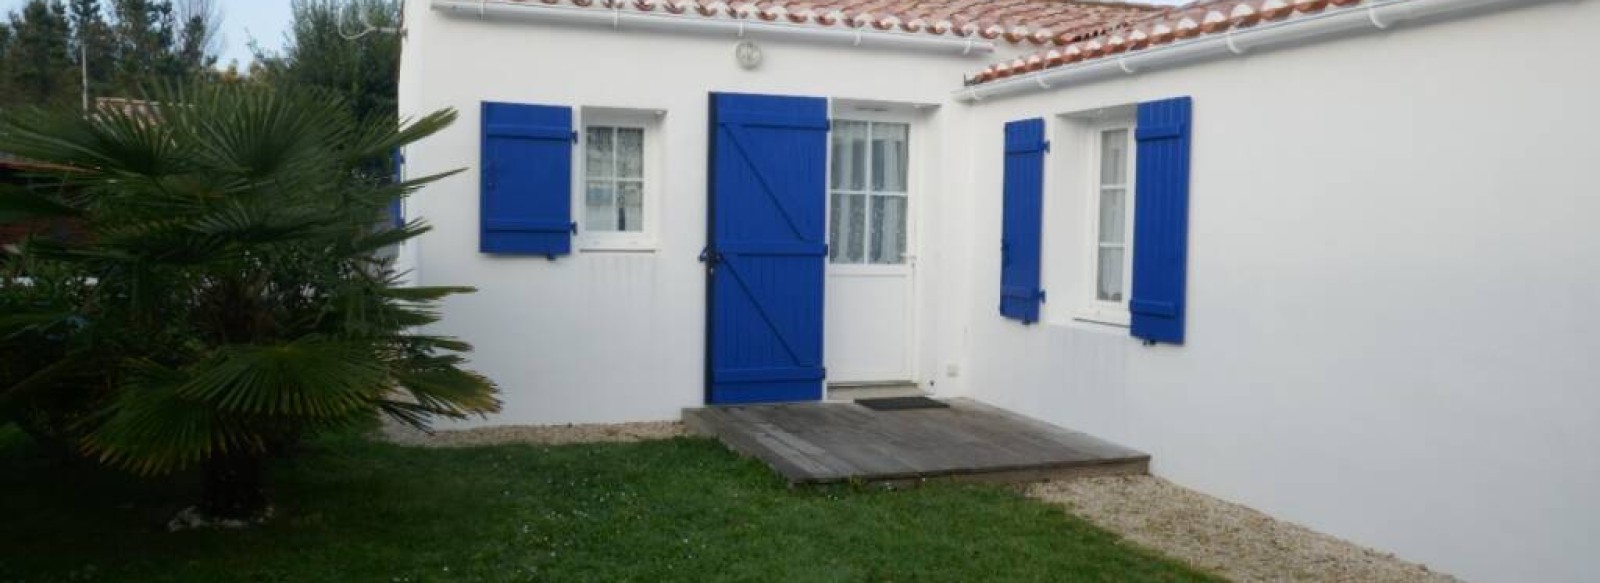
969, 441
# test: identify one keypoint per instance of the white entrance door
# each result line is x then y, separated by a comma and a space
869, 308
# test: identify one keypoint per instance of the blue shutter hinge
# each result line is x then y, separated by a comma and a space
1047, 146
574, 136
1041, 296
574, 227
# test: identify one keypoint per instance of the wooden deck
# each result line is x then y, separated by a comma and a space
842, 441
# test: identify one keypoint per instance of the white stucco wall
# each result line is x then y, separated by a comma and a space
1393, 258
606, 336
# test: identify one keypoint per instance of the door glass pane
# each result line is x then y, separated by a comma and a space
889, 157
630, 206
600, 206
888, 229
848, 226
598, 153
1108, 285
1113, 214
1114, 157
630, 153
849, 155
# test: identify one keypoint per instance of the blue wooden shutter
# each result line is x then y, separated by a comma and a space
1161, 220
397, 212
526, 174
1023, 195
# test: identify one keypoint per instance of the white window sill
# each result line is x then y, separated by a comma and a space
617, 245
1103, 318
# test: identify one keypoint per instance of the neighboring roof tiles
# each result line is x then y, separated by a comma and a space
138, 108
1204, 17
1034, 21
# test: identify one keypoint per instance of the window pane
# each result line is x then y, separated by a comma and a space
889, 229
1108, 284
848, 228
1114, 157
1113, 214
598, 153
889, 157
630, 206
849, 155
630, 153
600, 207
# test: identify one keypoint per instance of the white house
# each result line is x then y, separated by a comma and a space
1332, 259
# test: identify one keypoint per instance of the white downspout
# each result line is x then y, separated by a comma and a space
743, 27
1377, 15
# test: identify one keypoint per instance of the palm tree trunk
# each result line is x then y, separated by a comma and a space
232, 489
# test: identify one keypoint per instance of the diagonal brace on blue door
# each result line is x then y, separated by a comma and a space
772, 324
735, 136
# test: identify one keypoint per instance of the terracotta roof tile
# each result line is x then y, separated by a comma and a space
1036, 22
1136, 31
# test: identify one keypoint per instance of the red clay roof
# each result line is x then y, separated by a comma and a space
1016, 21
1192, 20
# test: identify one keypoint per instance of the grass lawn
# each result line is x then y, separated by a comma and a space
684, 510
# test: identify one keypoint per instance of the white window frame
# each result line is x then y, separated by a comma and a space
1095, 309
908, 257
645, 239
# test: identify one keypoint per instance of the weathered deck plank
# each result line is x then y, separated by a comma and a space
833, 442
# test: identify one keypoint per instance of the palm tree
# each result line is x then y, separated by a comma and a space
225, 287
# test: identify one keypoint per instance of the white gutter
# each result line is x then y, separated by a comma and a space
1373, 16
621, 17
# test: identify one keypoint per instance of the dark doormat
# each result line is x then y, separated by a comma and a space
901, 403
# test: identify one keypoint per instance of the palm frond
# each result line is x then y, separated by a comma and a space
443, 388
110, 142
19, 205
425, 293
375, 240
317, 378
151, 428
380, 138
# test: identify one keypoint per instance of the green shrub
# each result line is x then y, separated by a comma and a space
227, 288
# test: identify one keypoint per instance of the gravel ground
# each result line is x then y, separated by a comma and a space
536, 434
1223, 538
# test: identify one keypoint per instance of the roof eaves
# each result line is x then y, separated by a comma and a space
1037, 22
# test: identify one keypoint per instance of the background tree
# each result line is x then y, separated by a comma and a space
129, 45
154, 46
366, 71
39, 59
230, 289
5, 62
93, 38
204, 18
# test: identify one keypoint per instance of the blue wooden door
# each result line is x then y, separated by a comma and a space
767, 248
